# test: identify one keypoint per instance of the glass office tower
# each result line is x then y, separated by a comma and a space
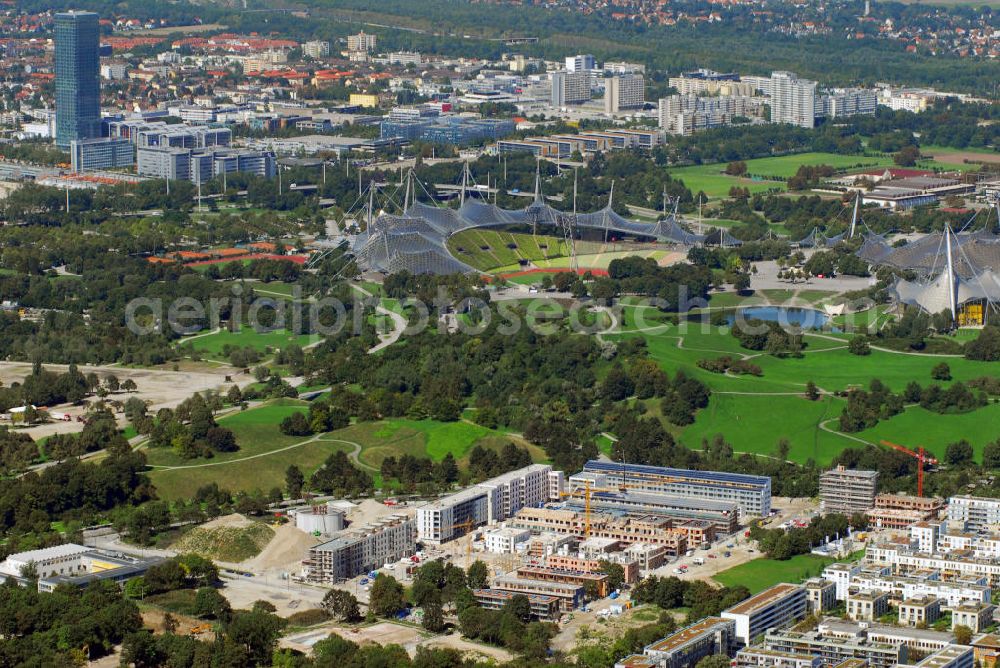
78, 83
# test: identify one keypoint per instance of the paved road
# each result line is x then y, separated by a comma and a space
399, 323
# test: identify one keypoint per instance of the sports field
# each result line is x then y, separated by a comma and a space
759, 574
766, 173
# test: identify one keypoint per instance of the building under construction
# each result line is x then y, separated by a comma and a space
847, 491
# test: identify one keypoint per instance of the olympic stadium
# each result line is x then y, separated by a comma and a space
415, 239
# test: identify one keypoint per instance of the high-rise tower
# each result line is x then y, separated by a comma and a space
78, 83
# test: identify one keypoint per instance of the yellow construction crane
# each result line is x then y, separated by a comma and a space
587, 491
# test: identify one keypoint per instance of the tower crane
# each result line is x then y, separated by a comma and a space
921, 457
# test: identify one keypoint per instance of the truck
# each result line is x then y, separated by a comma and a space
699, 561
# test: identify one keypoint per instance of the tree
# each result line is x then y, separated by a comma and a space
433, 619
295, 424
941, 371
615, 573
859, 346
714, 661
906, 156
342, 605
959, 454
963, 634
479, 573
386, 596
208, 602
257, 633
812, 392
294, 480
991, 455
128, 385
519, 606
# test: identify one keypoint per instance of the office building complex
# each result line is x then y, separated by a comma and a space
448, 130
100, 153
570, 87
777, 606
74, 565
847, 491
158, 134
201, 165
626, 91
493, 500
78, 77
974, 512
358, 551
751, 493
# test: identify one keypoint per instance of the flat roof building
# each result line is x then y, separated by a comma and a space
847, 491
774, 607
751, 493
493, 500
359, 550
544, 608
686, 647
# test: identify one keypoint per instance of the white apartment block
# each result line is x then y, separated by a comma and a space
505, 540
319, 48
626, 91
774, 607
974, 512
906, 588
361, 42
493, 500
581, 63
360, 550
925, 535
904, 560
867, 606
793, 100
687, 114
841, 575
904, 100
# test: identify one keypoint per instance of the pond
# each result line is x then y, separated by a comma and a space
805, 318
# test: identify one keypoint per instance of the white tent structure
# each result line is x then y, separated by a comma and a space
948, 289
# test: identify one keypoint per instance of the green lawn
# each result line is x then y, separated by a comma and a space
753, 413
755, 424
759, 574
917, 426
766, 173
211, 345
265, 453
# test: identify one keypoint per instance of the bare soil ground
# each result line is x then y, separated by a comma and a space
160, 388
959, 157
285, 551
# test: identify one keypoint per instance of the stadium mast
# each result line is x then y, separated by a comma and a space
854, 218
